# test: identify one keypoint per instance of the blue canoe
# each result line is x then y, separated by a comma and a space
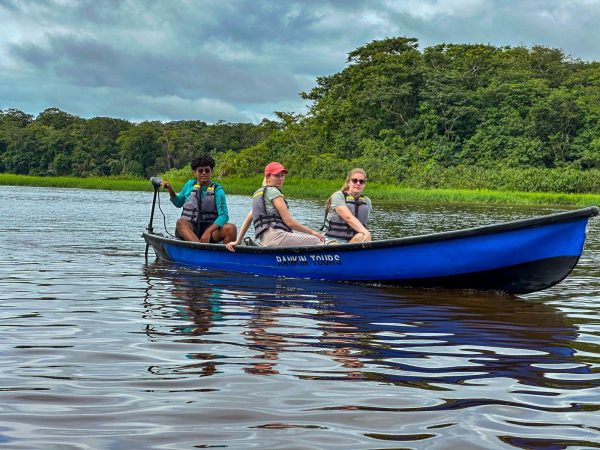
515, 257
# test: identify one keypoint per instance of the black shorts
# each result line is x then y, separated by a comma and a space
211, 241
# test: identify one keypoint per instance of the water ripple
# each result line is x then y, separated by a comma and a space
103, 350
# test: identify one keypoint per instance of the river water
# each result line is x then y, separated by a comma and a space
102, 349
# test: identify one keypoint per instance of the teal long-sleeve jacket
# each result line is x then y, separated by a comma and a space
220, 199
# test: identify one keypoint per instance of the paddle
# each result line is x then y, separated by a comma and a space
157, 183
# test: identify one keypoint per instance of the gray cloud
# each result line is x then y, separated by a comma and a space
239, 60
88, 62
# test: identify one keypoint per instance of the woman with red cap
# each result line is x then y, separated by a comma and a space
273, 223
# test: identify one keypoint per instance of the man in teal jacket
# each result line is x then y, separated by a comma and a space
205, 215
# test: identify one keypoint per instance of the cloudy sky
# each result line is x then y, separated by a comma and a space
236, 60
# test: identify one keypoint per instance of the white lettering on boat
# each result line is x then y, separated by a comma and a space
326, 260
291, 260
314, 260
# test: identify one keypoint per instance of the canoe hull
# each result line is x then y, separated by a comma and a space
516, 257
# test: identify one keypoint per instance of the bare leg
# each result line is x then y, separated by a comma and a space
358, 237
227, 234
186, 231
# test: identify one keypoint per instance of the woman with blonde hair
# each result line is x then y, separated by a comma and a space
347, 211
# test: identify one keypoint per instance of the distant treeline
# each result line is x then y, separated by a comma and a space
451, 115
57, 143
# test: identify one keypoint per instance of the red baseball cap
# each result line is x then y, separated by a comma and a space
273, 168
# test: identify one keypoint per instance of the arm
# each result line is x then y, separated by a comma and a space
287, 218
242, 233
352, 221
205, 238
222, 211
179, 199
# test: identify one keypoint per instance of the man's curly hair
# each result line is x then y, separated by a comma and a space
203, 161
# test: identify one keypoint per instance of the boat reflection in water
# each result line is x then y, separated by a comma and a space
315, 330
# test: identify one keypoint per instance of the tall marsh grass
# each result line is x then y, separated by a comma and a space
322, 189
102, 183
317, 189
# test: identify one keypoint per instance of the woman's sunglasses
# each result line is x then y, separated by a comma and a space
203, 169
358, 181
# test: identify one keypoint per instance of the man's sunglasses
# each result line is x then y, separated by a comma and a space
203, 169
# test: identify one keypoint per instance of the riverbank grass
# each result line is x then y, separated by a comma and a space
320, 189
101, 183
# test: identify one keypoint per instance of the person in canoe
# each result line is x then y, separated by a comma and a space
274, 226
205, 215
347, 211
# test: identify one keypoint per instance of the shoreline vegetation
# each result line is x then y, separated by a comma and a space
319, 189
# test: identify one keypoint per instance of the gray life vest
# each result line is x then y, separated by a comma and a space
338, 228
201, 214
260, 218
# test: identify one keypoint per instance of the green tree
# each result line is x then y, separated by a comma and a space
95, 146
12, 118
55, 118
378, 90
21, 155
555, 121
140, 149
61, 165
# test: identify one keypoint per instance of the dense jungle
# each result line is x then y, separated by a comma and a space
458, 116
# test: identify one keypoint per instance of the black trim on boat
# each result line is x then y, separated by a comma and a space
518, 279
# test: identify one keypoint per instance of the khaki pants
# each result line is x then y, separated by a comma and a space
272, 237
